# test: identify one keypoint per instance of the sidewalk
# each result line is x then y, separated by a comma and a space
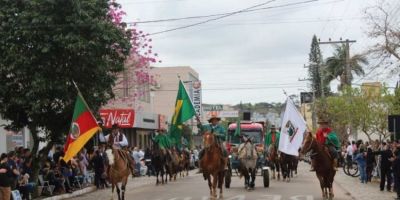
360, 191
101, 194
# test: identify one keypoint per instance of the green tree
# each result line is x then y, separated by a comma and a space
44, 46
356, 108
336, 65
314, 70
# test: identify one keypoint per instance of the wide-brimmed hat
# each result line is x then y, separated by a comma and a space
115, 126
214, 117
323, 121
273, 126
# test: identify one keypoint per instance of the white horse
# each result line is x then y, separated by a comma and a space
248, 163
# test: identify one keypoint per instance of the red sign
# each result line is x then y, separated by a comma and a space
123, 117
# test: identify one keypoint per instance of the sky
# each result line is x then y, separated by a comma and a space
253, 56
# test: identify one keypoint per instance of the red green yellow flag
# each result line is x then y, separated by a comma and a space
83, 127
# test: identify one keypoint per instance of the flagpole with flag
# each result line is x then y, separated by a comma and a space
83, 127
292, 129
184, 110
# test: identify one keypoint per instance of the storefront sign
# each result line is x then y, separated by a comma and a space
223, 114
146, 120
213, 108
197, 97
123, 117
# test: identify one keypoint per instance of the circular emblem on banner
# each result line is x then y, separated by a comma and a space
197, 85
75, 130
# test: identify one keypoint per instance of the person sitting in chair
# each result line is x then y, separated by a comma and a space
219, 131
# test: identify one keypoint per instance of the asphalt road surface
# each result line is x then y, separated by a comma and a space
303, 187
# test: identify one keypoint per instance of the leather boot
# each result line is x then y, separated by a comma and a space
335, 164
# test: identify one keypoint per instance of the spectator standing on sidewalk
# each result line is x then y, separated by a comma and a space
349, 152
386, 165
5, 176
370, 163
360, 158
396, 171
136, 157
98, 165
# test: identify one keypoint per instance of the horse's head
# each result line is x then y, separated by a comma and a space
110, 156
208, 140
307, 143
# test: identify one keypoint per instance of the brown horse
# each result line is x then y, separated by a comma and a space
173, 167
118, 170
184, 163
274, 161
323, 165
213, 164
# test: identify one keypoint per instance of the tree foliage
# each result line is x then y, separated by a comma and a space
314, 70
44, 47
357, 108
336, 65
384, 28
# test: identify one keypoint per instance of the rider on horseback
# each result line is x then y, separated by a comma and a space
219, 131
117, 140
272, 138
326, 136
163, 141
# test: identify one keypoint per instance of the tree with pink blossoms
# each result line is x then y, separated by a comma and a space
135, 82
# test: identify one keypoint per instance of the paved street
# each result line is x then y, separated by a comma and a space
303, 187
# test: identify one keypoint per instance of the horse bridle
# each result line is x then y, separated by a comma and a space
310, 146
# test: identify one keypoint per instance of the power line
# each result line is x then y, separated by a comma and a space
274, 22
230, 14
215, 15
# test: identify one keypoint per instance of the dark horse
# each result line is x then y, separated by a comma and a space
274, 162
213, 164
323, 165
287, 165
158, 160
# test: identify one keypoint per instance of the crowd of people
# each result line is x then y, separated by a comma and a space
16, 172
376, 159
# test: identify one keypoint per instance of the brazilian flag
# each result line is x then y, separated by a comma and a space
184, 111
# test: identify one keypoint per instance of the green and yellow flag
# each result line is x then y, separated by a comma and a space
83, 127
184, 111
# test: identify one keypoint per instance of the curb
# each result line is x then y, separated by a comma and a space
74, 194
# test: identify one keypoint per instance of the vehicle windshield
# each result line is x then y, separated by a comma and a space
256, 135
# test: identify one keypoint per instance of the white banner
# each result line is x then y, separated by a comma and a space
292, 131
197, 101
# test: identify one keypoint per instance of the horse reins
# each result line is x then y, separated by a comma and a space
309, 147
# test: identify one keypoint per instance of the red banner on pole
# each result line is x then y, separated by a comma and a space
125, 118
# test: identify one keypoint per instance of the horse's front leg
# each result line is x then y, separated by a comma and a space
210, 184
214, 185
123, 187
331, 194
118, 191
112, 190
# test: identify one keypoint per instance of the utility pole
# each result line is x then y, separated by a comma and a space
347, 75
313, 112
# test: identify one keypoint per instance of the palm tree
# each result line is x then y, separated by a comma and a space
336, 66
